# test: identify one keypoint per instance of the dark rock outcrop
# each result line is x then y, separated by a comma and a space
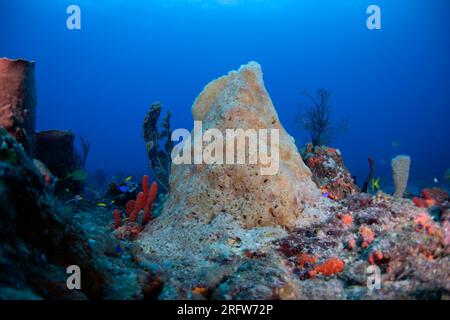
39, 239
57, 150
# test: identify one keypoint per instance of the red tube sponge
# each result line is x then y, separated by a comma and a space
117, 218
147, 216
129, 207
138, 206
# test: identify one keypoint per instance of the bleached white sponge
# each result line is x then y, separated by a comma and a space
400, 171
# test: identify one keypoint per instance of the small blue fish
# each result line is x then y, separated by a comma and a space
326, 194
123, 189
118, 249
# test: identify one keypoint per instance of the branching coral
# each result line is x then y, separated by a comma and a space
316, 119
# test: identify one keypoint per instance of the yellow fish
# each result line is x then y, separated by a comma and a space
128, 178
101, 204
376, 184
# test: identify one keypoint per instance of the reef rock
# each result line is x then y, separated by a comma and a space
329, 172
240, 101
18, 100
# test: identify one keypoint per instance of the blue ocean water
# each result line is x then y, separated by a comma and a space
392, 84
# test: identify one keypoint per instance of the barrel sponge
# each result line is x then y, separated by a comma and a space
400, 168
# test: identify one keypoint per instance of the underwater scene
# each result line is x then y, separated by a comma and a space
224, 150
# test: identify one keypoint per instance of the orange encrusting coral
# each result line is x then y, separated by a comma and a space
304, 258
375, 257
367, 236
345, 218
424, 222
351, 244
332, 266
420, 203
312, 162
431, 197
200, 290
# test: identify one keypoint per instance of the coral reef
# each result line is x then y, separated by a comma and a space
400, 174
18, 101
402, 240
223, 231
159, 144
329, 172
304, 256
